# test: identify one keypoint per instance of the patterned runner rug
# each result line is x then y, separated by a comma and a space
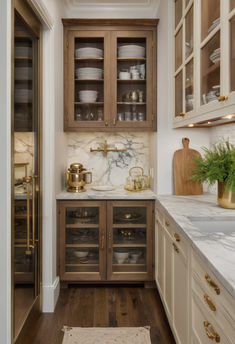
106, 335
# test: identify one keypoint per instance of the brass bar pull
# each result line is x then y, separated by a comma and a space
212, 284
28, 181
114, 121
177, 237
102, 242
209, 302
106, 123
175, 248
33, 207
211, 332
222, 98
110, 241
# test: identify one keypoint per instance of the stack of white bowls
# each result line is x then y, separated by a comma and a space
89, 52
23, 51
215, 56
23, 95
23, 73
88, 73
87, 96
131, 50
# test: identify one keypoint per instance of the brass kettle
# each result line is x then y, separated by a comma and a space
77, 177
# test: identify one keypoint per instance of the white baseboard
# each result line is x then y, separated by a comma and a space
50, 294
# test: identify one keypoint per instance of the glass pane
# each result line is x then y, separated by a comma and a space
178, 11
129, 259
129, 236
131, 79
189, 93
178, 94
232, 4
232, 56
189, 33
85, 259
89, 79
210, 15
82, 215
84, 236
210, 69
129, 215
178, 49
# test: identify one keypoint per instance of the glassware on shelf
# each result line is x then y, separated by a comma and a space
141, 116
189, 91
100, 115
178, 93
120, 116
128, 116
189, 33
210, 16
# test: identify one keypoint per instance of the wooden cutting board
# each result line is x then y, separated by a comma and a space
183, 165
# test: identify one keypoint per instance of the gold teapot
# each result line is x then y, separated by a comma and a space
77, 177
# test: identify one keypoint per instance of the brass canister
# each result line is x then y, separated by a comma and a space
226, 198
77, 177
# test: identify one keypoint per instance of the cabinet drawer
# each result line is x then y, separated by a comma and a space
215, 308
204, 326
212, 286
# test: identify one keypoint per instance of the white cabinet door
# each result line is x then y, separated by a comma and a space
160, 257
180, 296
168, 273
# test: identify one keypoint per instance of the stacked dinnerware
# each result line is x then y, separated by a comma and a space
23, 95
88, 73
215, 56
23, 73
89, 52
214, 24
131, 50
23, 51
87, 96
211, 95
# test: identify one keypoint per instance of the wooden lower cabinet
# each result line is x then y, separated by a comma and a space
105, 240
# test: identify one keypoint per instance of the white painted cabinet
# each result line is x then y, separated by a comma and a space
204, 70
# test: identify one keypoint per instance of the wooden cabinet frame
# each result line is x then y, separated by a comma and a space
110, 30
106, 241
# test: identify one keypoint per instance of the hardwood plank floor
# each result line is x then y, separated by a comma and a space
103, 306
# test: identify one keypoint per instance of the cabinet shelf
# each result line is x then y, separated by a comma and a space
95, 103
212, 69
131, 81
89, 80
88, 58
81, 225
131, 59
84, 264
23, 58
129, 225
82, 245
129, 245
130, 103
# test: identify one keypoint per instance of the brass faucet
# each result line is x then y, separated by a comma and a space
106, 150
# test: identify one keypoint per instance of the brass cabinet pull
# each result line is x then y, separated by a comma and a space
222, 98
211, 332
33, 207
177, 237
106, 123
209, 302
110, 241
114, 121
212, 284
28, 181
167, 224
175, 247
102, 242
182, 114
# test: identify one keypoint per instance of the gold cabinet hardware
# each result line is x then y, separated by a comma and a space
106, 150
167, 224
212, 284
222, 98
102, 242
211, 332
28, 181
34, 186
114, 121
177, 237
110, 241
106, 123
209, 302
182, 114
175, 248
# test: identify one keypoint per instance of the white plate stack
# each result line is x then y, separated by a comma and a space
88, 73
23, 95
215, 56
87, 96
89, 52
131, 50
23, 52
23, 73
214, 24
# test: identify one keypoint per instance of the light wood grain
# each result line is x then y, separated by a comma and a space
183, 166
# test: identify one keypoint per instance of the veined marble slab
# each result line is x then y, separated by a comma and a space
217, 249
118, 193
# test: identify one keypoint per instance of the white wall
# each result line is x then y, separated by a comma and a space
5, 176
168, 140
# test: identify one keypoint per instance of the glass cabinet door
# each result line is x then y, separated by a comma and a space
89, 69
132, 79
232, 54
210, 17
83, 241
129, 241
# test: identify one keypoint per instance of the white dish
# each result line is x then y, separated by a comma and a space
103, 188
89, 52
81, 254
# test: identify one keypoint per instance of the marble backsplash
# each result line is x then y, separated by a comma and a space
111, 169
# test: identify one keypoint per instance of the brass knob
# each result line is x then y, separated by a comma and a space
211, 332
182, 114
212, 284
106, 123
209, 302
177, 237
175, 248
167, 224
222, 98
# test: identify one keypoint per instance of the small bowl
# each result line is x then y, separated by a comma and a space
81, 254
120, 257
124, 75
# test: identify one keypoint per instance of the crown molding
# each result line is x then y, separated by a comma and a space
42, 13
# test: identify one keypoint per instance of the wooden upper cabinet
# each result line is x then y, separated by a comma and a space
110, 75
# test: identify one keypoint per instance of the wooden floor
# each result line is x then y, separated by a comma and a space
104, 306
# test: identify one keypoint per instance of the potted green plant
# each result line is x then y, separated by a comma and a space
218, 165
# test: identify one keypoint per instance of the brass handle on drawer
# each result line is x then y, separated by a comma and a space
177, 237
212, 284
211, 332
209, 302
167, 224
175, 248
222, 98
114, 121
182, 114
106, 123
102, 242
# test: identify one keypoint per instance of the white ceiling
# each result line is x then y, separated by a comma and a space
111, 8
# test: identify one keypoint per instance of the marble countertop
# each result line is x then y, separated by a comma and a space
117, 193
217, 249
